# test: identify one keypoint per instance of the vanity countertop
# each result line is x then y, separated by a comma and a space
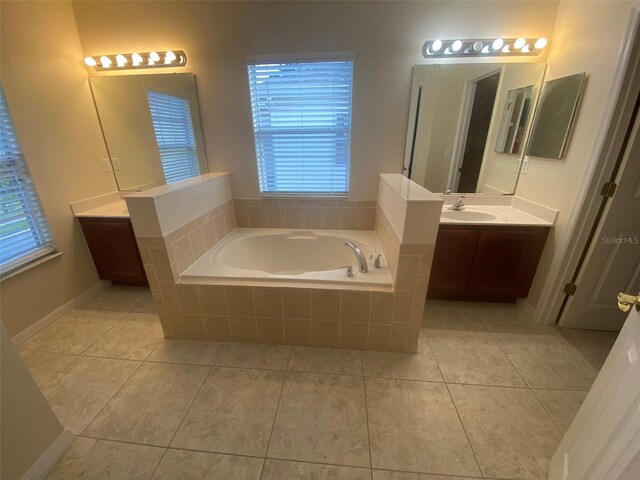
111, 210
508, 211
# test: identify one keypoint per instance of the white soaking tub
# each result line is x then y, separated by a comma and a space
290, 255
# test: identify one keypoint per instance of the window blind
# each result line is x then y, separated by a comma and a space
24, 233
173, 127
302, 125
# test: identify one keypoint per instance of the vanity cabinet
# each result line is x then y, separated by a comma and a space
113, 247
485, 263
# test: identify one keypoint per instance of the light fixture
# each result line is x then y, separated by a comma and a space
499, 46
124, 61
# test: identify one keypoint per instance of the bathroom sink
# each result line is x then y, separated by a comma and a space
468, 215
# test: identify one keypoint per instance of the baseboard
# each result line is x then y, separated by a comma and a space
50, 456
31, 331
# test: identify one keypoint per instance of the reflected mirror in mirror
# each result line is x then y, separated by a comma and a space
555, 115
151, 125
468, 124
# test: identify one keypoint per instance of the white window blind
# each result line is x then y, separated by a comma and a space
172, 124
24, 233
302, 125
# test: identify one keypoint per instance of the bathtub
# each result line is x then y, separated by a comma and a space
290, 255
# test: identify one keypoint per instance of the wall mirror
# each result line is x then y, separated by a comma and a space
555, 115
151, 125
468, 124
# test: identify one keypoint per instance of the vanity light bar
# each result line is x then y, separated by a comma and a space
483, 47
127, 61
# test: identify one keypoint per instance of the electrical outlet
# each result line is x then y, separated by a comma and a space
525, 167
106, 164
116, 164
447, 154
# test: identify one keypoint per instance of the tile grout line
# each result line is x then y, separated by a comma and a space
366, 413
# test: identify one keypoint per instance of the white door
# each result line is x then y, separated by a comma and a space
612, 263
603, 442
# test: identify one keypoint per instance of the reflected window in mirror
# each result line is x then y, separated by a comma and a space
173, 127
468, 124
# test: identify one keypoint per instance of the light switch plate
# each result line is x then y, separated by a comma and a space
106, 164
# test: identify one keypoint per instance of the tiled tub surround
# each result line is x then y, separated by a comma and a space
315, 213
372, 318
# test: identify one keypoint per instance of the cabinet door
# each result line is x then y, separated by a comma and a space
452, 262
506, 260
114, 250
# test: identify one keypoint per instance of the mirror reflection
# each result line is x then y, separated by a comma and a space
468, 124
151, 125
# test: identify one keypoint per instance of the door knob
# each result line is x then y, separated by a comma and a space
626, 301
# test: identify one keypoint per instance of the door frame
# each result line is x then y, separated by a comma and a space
598, 170
462, 128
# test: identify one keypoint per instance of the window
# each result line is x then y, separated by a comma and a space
24, 233
302, 125
172, 124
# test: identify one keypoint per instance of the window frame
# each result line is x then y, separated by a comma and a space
344, 56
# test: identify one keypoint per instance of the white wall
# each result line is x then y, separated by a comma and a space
587, 38
47, 90
386, 36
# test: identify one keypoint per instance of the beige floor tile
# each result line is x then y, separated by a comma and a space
511, 434
119, 299
99, 459
184, 465
134, 338
44, 365
254, 355
414, 426
192, 352
451, 315
562, 405
409, 366
151, 405
508, 317
75, 332
81, 389
595, 345
326, 360
472, 357
321, 418
233, 413
547, 362
387, 475
145, 304
280, 470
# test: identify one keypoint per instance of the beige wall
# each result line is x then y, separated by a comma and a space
587, 38
47, 90
29, 426
386, 36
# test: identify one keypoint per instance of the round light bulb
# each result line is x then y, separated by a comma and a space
526, 49
436, 45
457, 45
90, 61
105, 61
477, 46
540, 43
169, 57
136, 59
519, 43
154, 56
497, 44
121, 60
506, 49
485, 49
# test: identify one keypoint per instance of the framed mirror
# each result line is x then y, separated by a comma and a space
151, 125
468, 124
555, 116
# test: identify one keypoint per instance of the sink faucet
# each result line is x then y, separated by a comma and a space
362, 261
458, 204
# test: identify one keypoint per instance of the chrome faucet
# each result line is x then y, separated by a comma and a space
458, 204
362, 261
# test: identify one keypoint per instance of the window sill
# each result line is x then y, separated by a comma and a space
32, 264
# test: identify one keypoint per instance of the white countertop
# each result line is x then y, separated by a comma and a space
111, 210
495, 215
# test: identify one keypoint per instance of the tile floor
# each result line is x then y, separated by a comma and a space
489, 395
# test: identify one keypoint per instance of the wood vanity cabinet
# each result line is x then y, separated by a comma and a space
485, 263
113, 247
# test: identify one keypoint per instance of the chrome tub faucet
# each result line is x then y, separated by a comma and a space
362, 261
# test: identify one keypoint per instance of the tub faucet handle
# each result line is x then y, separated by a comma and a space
376, 260
349, 270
